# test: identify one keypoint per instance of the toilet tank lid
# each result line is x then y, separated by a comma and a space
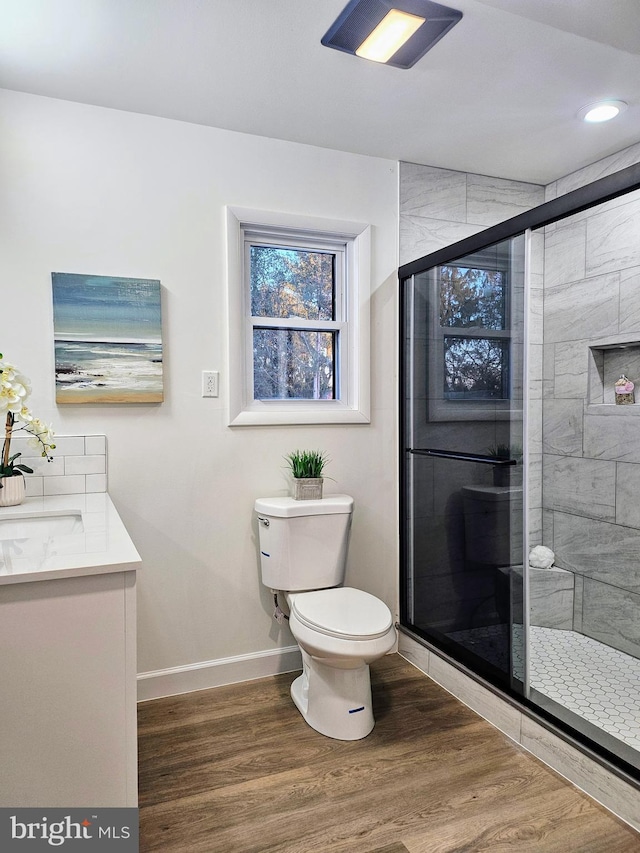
290, 508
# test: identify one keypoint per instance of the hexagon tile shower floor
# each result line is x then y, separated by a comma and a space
599, 683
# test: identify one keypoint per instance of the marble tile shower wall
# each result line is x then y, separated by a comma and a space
437, 208
79, 465
591, 447
591, 453
440, 206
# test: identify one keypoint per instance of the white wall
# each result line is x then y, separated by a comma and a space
91, 190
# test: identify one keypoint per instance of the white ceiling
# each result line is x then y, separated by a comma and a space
498, 95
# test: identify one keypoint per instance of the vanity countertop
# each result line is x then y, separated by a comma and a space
63, 536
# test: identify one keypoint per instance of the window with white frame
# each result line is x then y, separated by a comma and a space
301, 348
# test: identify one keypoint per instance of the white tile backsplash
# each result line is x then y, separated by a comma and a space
92, 464
78, 466
95, 444
69, 445
34, 486
68, 485
96, 483
41, 466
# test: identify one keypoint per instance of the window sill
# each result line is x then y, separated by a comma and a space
281, 417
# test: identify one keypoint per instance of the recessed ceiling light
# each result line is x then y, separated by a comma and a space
396, 32
602, 111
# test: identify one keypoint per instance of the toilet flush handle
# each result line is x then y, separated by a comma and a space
263, 520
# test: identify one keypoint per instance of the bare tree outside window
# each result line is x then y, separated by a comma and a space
476, 365
472, 298
475, 368
292, 363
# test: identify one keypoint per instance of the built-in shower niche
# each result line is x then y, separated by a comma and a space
608, 360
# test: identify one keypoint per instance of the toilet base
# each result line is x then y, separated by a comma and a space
335, 700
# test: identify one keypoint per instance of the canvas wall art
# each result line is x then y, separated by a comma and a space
108, 339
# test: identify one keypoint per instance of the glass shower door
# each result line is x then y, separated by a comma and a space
463, 352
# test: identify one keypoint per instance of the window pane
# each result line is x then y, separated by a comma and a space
472, 297
291, 364
476, 369
292, 283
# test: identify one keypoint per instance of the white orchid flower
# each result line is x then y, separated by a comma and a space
42, 435
25, 415
15, 389
22, 380
9, 399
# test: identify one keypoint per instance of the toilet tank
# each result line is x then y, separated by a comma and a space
303, 544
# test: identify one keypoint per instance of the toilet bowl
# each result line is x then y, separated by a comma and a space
340, 630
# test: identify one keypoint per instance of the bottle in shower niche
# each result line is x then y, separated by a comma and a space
624, 391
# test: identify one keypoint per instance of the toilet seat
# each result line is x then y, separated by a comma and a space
342, 612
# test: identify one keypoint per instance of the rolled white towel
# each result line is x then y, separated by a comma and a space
541, 557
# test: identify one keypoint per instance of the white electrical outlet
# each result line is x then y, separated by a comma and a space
210, 383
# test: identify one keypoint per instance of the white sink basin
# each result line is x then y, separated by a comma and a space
41, 525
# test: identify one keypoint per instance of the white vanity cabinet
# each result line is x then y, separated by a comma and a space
68, 665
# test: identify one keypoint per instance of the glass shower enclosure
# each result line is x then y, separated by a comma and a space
512, 438
462, 467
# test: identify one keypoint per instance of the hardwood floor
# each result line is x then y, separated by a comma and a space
237, 770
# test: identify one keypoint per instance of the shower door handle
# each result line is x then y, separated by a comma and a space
460, 457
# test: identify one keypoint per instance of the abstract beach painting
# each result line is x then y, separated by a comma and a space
108, 339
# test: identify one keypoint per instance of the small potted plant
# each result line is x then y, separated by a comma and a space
306, 469
14, 393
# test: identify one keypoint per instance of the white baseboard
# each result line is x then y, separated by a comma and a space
216, 673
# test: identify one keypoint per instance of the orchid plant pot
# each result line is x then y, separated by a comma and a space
12, 491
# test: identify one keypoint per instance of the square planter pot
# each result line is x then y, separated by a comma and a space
307, 488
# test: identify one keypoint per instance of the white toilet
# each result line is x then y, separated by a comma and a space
340, 630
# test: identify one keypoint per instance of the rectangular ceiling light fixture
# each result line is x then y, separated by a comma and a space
396, 32
391, 33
